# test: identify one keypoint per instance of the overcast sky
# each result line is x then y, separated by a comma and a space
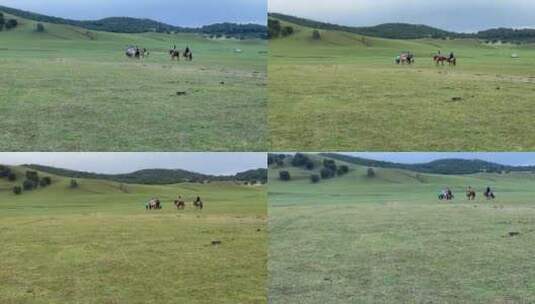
113, 163
514, 159
455, 15
176, 12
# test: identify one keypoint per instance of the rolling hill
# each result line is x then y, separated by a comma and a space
156, 176
138, 25
413, 31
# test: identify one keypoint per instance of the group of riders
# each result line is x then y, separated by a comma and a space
409, 58
179, 203
174, 53
447, 194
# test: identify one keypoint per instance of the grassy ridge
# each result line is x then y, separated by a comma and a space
97, 244
344, 92
69, 89
388, 239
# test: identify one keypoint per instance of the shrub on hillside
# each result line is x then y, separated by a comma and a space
287, 31
310, 165
274, 28
300, 160
40, 28
12, 177
314, 178
370, 173
45, 181
4, 171
327, 173
316, 35
11, 23
330, 164
17, 190
284, 176
343, 170
2, 21
74, 184
33, 176
29, 185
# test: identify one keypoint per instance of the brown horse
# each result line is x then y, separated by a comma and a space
154, 204
180, 204
440, 59
470, 194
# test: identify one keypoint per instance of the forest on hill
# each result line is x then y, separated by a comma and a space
403, 30
158, 176
138, 25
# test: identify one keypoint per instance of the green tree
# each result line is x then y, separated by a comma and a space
316, 35
74, 184
284, 176
314, 178
370, 173
11, 23
40, 28
17, 190
2, 21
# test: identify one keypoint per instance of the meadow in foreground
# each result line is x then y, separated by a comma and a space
70, 89
344, 92
97, 244
388, 239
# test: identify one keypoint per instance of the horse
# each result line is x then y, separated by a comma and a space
198, 204
405, 58
188, 54
440, 59
154, 204
470, 194
180, 204
175, 54
446, 195
135, 52
489, 195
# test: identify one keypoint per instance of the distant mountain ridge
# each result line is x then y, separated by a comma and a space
442, 166
156, 176
414, 31
141, 25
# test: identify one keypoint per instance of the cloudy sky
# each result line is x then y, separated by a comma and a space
113, 163
514, 159
176, 12
455, 15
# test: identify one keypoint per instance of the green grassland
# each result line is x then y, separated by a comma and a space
70, 89
388, 239
98, 244
344, 92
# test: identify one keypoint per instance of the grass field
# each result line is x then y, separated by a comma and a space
344, 92
70, 89
97, 244
388, 239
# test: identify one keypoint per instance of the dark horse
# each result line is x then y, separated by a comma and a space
198, 203
446, 195
489, 194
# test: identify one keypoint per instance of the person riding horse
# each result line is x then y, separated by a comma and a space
179, 203
188, 54
470, 193
198, 203
489, 194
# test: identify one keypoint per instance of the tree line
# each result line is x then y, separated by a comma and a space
158, 176
137, 25
443, 166
410, 31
